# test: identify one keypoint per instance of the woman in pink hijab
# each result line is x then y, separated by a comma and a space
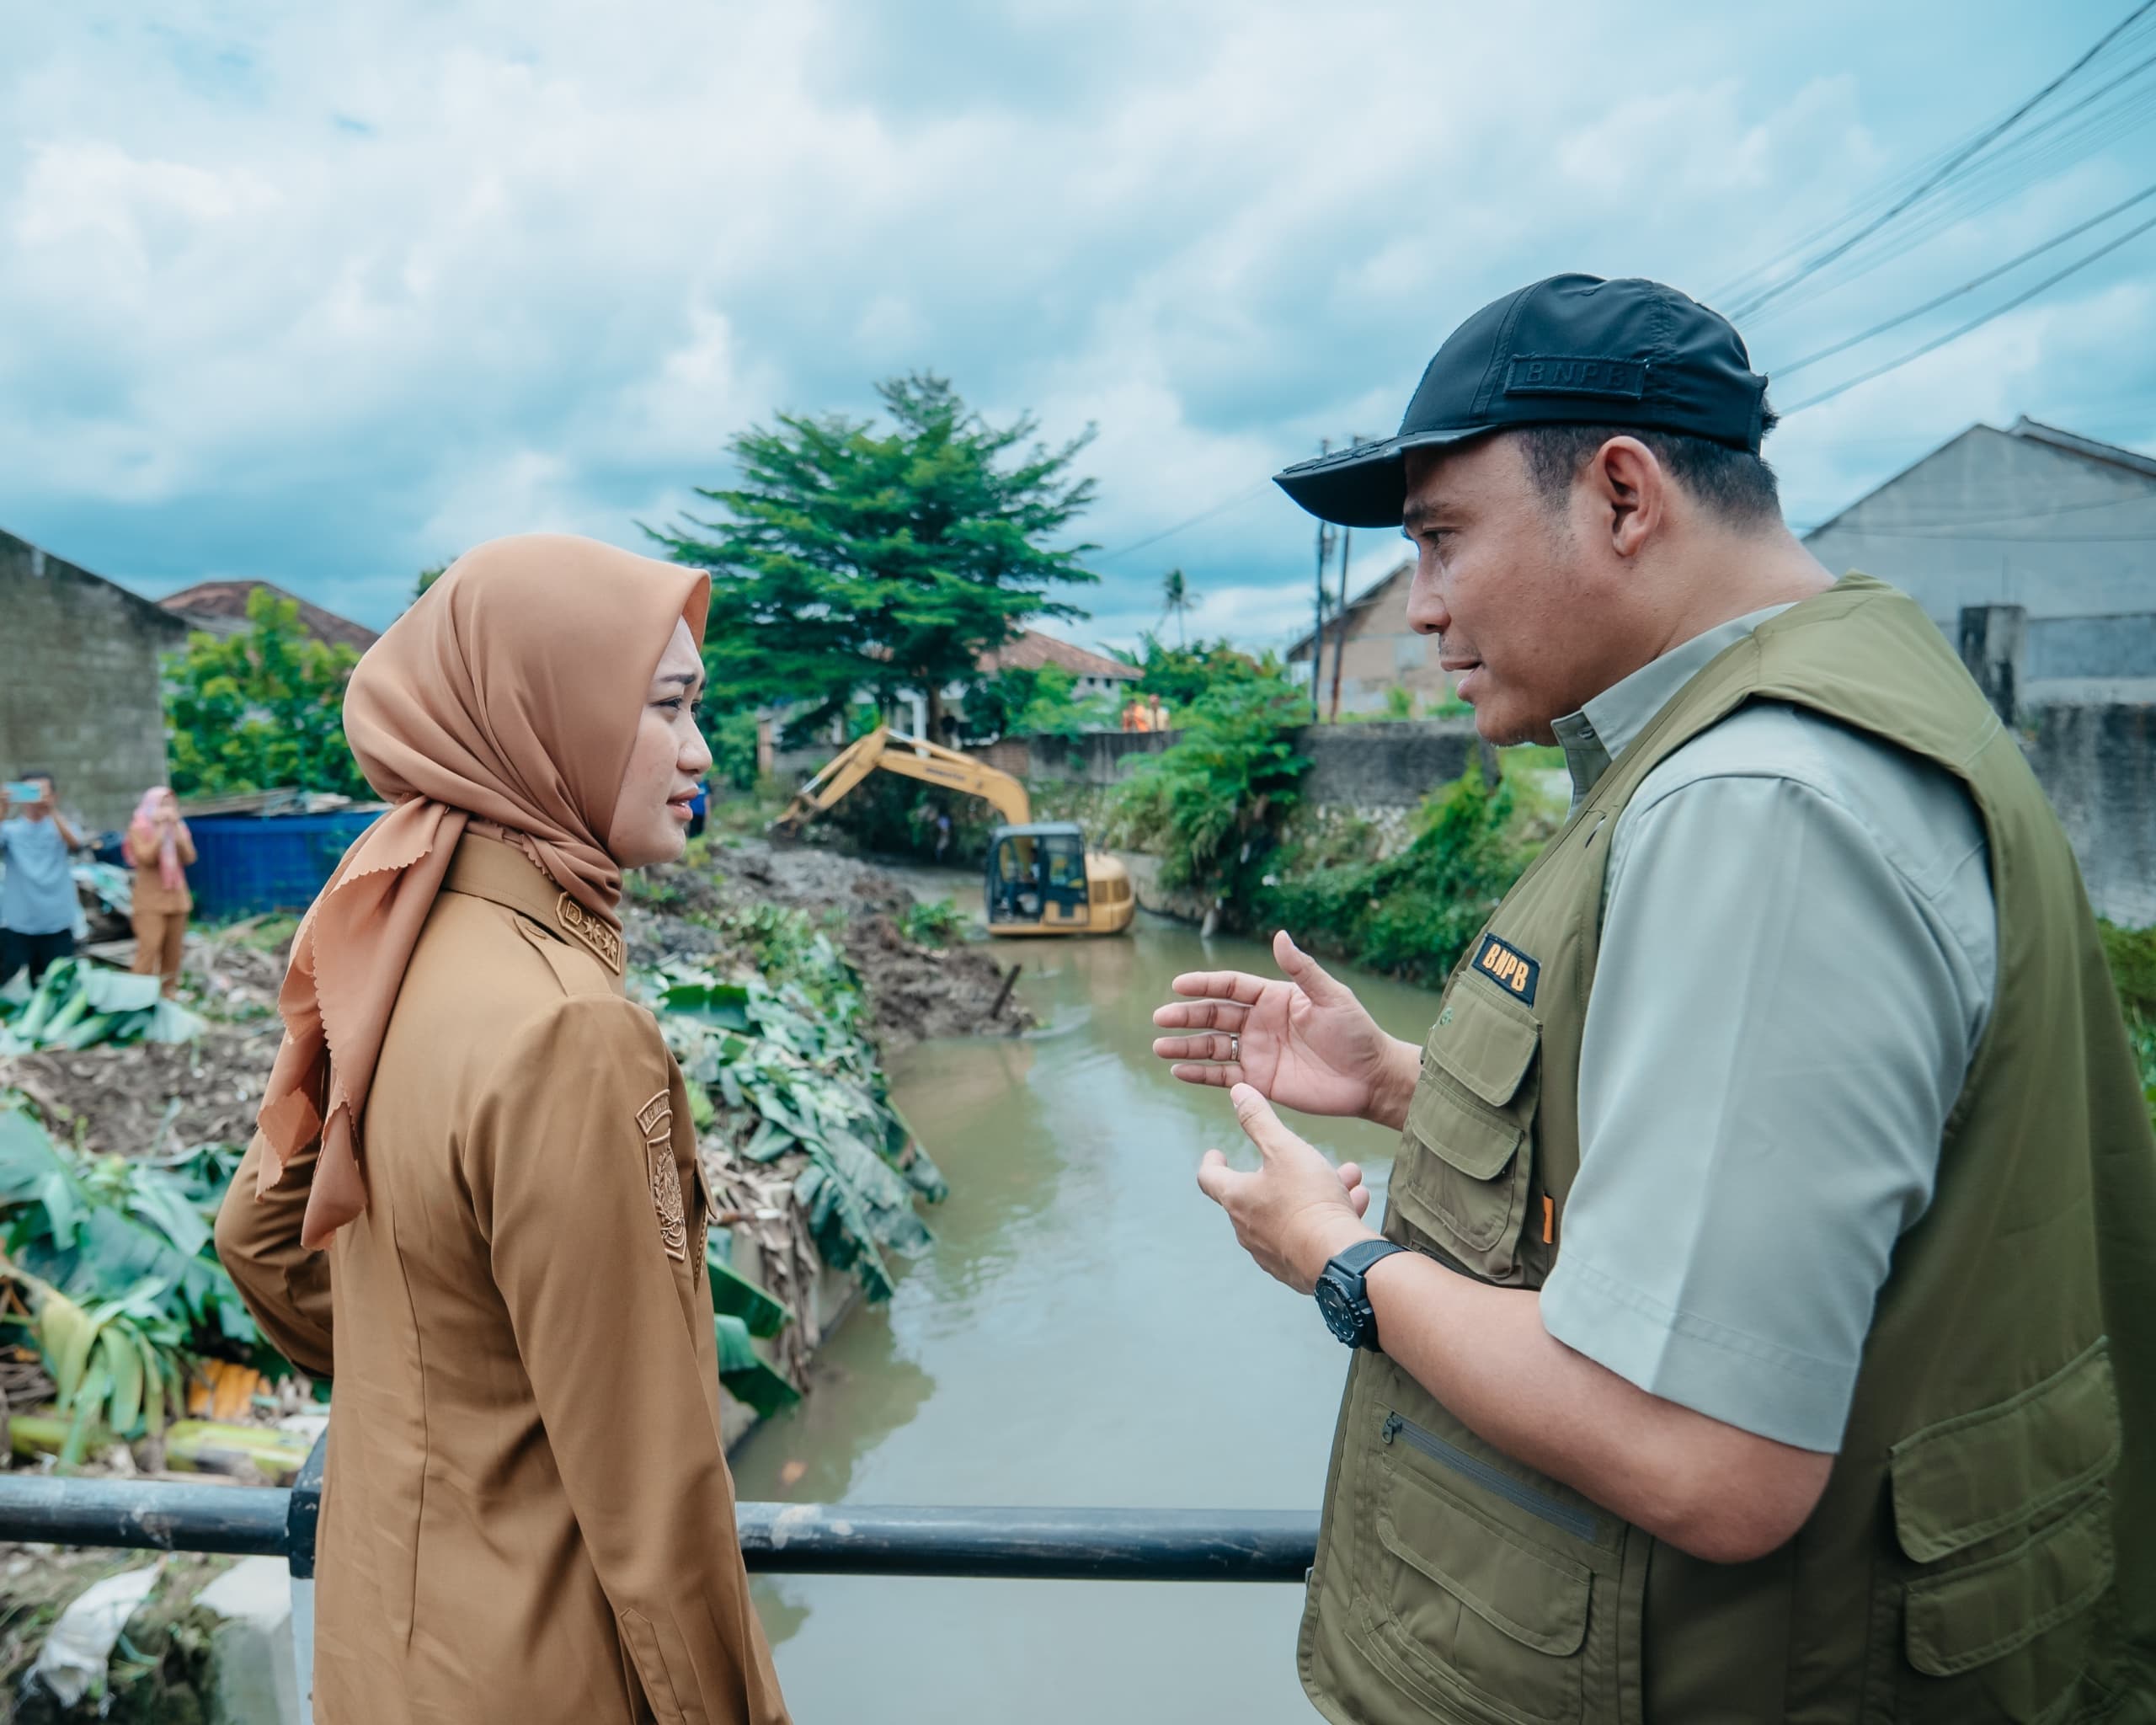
160, 846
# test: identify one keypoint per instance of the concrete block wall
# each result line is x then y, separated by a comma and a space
1380, 765
2096, 761
79, 682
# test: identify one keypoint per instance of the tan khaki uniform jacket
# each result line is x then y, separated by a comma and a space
151, 892
527, 1515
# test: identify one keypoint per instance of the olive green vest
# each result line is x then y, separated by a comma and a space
1986, 1547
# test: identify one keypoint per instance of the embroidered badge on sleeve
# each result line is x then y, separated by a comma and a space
655, 1120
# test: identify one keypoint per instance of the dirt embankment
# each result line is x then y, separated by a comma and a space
145, 1099
916, 992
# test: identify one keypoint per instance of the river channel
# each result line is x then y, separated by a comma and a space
1086, 1330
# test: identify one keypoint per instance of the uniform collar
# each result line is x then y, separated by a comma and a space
486, 868
1606, 726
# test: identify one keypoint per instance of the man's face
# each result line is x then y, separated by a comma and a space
1500, 577
38, 809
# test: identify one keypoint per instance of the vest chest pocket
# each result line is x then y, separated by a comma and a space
1466, 1160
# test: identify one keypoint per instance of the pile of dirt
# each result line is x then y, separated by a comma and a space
916, 992
148, 1099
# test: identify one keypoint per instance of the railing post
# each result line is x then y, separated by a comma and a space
302, 1517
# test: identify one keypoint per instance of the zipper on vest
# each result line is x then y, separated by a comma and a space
1567, 1517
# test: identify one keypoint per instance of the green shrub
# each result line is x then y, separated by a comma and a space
1210, 807
1412, 914
935, 924
2133, 955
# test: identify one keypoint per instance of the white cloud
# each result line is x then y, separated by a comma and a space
318, 294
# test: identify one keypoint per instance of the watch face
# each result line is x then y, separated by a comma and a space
1338, 1311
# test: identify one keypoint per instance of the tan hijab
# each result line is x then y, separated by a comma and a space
511, 694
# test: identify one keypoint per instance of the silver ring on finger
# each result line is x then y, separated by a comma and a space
1234, 1047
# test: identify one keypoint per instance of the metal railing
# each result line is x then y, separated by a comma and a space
800, 1539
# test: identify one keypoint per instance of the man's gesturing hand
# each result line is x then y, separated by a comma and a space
1297, 1210
1304, 1041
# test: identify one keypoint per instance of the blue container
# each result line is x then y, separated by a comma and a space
247, 864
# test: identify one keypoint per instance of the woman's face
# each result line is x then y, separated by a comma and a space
651, 814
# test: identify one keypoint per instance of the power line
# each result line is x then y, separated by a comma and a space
1968, 287
2003, 176
1750, 306
1204, 515
2021, 299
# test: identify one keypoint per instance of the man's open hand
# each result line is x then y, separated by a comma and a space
1303, 1040
1297, 1210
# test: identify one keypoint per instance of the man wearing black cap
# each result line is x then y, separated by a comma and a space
1759, 1328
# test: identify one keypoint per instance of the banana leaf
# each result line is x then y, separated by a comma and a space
118, 990
724, 1004
747, 1375
54, 991
56, 1229
733, 1295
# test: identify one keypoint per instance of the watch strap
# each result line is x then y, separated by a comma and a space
1357, 1258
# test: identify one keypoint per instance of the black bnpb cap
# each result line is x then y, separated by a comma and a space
1574, 350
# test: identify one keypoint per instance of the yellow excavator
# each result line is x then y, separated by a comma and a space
1040, 878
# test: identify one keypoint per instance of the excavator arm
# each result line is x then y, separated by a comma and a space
893, 751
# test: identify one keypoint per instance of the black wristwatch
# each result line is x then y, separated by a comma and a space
1341, 1295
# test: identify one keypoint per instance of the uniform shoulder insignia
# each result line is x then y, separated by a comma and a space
655, 1121
581, 925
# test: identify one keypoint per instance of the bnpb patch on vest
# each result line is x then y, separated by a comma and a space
1509, 967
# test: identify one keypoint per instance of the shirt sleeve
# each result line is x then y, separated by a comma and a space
285, 1285
573, 1165
1779, 1025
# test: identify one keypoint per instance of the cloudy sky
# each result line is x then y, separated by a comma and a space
324, 294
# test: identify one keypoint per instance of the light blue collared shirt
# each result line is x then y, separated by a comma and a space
1798, 954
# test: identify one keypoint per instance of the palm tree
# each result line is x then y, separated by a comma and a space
1175, 591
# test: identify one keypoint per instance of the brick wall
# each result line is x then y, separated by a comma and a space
79, 682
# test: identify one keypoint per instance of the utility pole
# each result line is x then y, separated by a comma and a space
1317, 635
1340, 639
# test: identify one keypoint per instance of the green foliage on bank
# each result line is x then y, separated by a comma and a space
2133, 955
260, 709
1044, 702
110, 1262
1211, 807
1412, 914
1182, 676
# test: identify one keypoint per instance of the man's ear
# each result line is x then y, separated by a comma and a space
1630, 491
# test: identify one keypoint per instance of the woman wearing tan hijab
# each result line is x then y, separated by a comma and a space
473, 1201
160, 846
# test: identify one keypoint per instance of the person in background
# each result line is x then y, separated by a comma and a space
1156, 717
483, 1217
37, 894
1134, 714
161, 848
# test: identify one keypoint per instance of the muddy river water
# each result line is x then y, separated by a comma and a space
1084, 1332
